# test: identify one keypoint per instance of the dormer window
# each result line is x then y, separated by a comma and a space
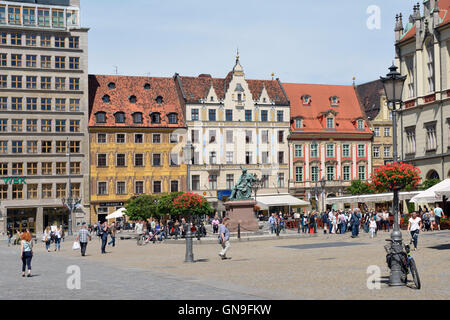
334, 101
360, 124
159, 100
212, 99
137, 117
120, 117
264, 100
132, 99
111, 85
298, 123
173, 119
101, 117
330, 123
147, 86
306, 100
106, 99
239, 97
156, 118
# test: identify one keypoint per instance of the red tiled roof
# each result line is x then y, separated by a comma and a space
196, 88
125, 87
348, 110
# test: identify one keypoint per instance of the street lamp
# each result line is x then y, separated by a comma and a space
323, 184
188, 151
70, 202
393, 87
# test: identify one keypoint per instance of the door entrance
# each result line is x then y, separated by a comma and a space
21, 220
56, 217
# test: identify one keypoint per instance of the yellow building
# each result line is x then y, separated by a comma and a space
136, 128
373, 100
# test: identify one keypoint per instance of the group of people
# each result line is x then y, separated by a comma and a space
53, 235
431, 218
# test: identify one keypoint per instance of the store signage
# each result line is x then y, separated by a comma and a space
111, 204
15, 180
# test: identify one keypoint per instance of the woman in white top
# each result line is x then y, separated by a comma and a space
414, 226
58, 239
46, 237
372, 227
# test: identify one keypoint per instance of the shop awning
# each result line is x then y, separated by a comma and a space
434, 194
280, 201
381, 197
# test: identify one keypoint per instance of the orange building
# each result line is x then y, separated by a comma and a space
330, 141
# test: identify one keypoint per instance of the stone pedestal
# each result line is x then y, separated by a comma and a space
242, 212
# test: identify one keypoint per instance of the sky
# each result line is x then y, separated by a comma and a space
301, 41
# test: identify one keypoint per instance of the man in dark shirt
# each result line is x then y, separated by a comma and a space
104, 236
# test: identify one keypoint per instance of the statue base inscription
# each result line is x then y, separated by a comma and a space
242, 212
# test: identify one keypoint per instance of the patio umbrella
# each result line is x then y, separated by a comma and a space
117, 214
434, 194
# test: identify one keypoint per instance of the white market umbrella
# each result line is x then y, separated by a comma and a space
434, 194
117, 214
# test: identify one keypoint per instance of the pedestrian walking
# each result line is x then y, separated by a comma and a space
215, 225
83, 237
224, 238
104, 236
438, 215
414, 226
112, 233
372, 227
46, 237
356, 221
386, 221
57, 238
9, 235
26, 252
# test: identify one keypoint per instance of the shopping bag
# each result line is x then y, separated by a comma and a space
76, 246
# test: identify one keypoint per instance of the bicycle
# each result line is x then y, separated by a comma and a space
408, 263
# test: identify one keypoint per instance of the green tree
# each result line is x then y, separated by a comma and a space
359, 187
427, 184
165, 204
142, 208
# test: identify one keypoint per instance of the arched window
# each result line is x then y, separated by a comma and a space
147, 86
306, 100
120, 117
111, 85
106, 98
433, 175
100, 117
156, 118
334, 101
137, 117
159, 100
173, 118
132, 99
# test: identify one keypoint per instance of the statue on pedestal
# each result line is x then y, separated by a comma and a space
243, 190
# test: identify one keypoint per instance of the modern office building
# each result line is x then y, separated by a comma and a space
236, 123
423, 54
137, 130
330, 141
43, 114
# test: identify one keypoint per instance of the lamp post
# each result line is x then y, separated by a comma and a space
393, 86
70, 202
188, 151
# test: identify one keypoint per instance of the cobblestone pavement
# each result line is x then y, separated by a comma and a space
323, 267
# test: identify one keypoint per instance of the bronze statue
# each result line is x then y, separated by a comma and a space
243, 189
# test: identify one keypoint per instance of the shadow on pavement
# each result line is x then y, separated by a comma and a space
441, 247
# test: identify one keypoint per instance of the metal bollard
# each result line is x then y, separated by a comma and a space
239, 231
